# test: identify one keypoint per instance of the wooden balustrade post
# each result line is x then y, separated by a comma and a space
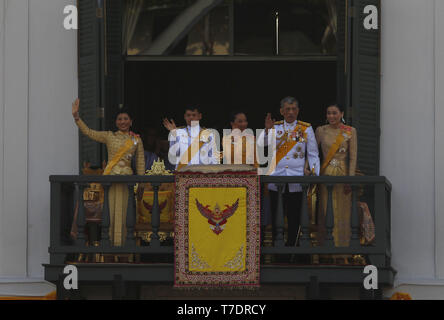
155, 217
130, 218
279, 222
81, 221
330, 219
56, 222
305, 219
355, 237
105, 241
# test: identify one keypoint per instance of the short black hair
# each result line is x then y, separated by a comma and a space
337, 105
124, 110
234, 113
192, 108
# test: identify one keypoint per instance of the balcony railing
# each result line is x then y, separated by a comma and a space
66, 191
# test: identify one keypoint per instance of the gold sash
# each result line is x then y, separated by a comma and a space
187, 154
119, 154
334, 148
312, 192
229, 144
285, 146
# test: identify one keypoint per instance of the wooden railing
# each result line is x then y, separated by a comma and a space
67, 190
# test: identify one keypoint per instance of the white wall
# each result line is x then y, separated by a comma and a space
439, 136
408, 131
38, 66
53, 136
14, 138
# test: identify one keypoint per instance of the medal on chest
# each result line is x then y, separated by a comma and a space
296, 135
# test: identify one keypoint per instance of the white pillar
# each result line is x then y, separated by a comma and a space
439, 137
14, 138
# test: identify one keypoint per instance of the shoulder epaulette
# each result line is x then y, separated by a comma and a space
279, 122
181, 127
305, 124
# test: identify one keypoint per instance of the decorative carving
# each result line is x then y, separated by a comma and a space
158, 169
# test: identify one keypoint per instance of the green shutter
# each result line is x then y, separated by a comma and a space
89, 79
342, 54
114, 61
365, 87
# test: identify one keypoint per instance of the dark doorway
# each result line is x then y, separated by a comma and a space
154, 90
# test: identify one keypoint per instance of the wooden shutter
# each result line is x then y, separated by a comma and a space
365, 87
114, 61
343, 53
89, 79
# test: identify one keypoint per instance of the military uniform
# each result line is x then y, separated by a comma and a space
180, 144
295, 143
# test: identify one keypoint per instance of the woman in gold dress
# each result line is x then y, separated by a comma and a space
122, 146
339, 146
240, 153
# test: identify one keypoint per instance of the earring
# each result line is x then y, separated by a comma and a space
343, 120
326, 121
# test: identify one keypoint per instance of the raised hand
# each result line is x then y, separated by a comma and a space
269, 122
169, 125
75, 109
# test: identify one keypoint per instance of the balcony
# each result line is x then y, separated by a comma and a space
157, 266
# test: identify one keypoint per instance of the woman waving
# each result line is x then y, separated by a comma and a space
122, 146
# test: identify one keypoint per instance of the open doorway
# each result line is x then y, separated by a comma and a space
154, 90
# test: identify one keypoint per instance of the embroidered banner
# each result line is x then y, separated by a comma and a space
145, 207
217, 230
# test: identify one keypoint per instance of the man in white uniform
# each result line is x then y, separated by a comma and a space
296, 143
191, 144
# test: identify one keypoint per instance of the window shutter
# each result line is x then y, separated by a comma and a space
114, 61
89, 80
365, 86
342, 54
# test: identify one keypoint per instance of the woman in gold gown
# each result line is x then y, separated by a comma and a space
339, 146
240, 153
122, 146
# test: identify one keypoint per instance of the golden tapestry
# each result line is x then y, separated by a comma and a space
217, 228
166, 207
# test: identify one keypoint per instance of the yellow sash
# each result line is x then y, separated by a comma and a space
229, 144
119, 154
187, 156
285, 146
334, 148
312, 192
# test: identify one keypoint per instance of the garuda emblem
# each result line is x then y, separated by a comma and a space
149, 207
217, 218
